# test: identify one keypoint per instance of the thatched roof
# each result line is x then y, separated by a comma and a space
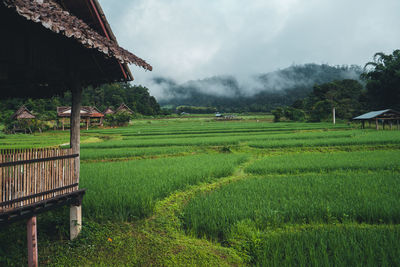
22, 113
124, 108
53, 17
108, 110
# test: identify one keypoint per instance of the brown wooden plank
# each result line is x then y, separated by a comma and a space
32, 242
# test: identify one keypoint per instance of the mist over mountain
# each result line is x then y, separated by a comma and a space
262, 92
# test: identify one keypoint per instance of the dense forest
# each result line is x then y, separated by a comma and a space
109, 95
264, 93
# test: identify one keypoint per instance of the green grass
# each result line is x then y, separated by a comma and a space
128, 190
355, 138
212, 141
119, 153
326, 245
322, 162
314, 198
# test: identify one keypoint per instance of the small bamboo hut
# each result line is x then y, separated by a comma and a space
21, 119
23, 114
49, 47
124, 108
386, 116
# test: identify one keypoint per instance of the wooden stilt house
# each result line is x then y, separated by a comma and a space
89, 115
47, 48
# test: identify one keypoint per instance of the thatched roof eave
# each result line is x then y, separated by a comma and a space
53, 17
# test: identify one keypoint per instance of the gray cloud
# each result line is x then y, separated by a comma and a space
188, 40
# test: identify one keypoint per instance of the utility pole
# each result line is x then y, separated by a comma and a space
334, 115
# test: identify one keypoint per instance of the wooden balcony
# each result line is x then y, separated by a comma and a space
36, 180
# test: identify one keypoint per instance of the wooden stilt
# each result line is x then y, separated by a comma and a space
383, 124
32, 242
363, 125
391, 124
63, 127
377, 124
76, 212
75, 225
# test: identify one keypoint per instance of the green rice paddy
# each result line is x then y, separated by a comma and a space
195, 191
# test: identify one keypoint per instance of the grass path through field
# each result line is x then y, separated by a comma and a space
163, 242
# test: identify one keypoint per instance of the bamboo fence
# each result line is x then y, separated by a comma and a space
34, 175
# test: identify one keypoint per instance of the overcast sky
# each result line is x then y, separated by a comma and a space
194, 39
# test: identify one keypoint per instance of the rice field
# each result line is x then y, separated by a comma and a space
276, 201
128, 190
324, 162
275, 194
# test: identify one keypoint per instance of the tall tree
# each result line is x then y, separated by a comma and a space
382, 76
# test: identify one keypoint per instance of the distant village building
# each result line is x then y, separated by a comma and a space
91, 115
124, 108
108, 111
386, 116
22, 114
21, 120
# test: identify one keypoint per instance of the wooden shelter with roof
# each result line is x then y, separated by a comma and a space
386, 116
21, 119
90, 115
23, 114
49, 47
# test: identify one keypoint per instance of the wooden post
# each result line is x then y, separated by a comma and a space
334, 115
383, 124
75, 224
32, 242
363, 124
377, 124
87, 123
63, 128
75, 211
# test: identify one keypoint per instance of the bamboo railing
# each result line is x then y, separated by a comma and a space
34, 175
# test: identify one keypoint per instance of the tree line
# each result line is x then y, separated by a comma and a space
108, 95
380, 89
274, 89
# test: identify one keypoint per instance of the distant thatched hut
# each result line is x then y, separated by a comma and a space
108, 111
22, 119
23, 114
124, 108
